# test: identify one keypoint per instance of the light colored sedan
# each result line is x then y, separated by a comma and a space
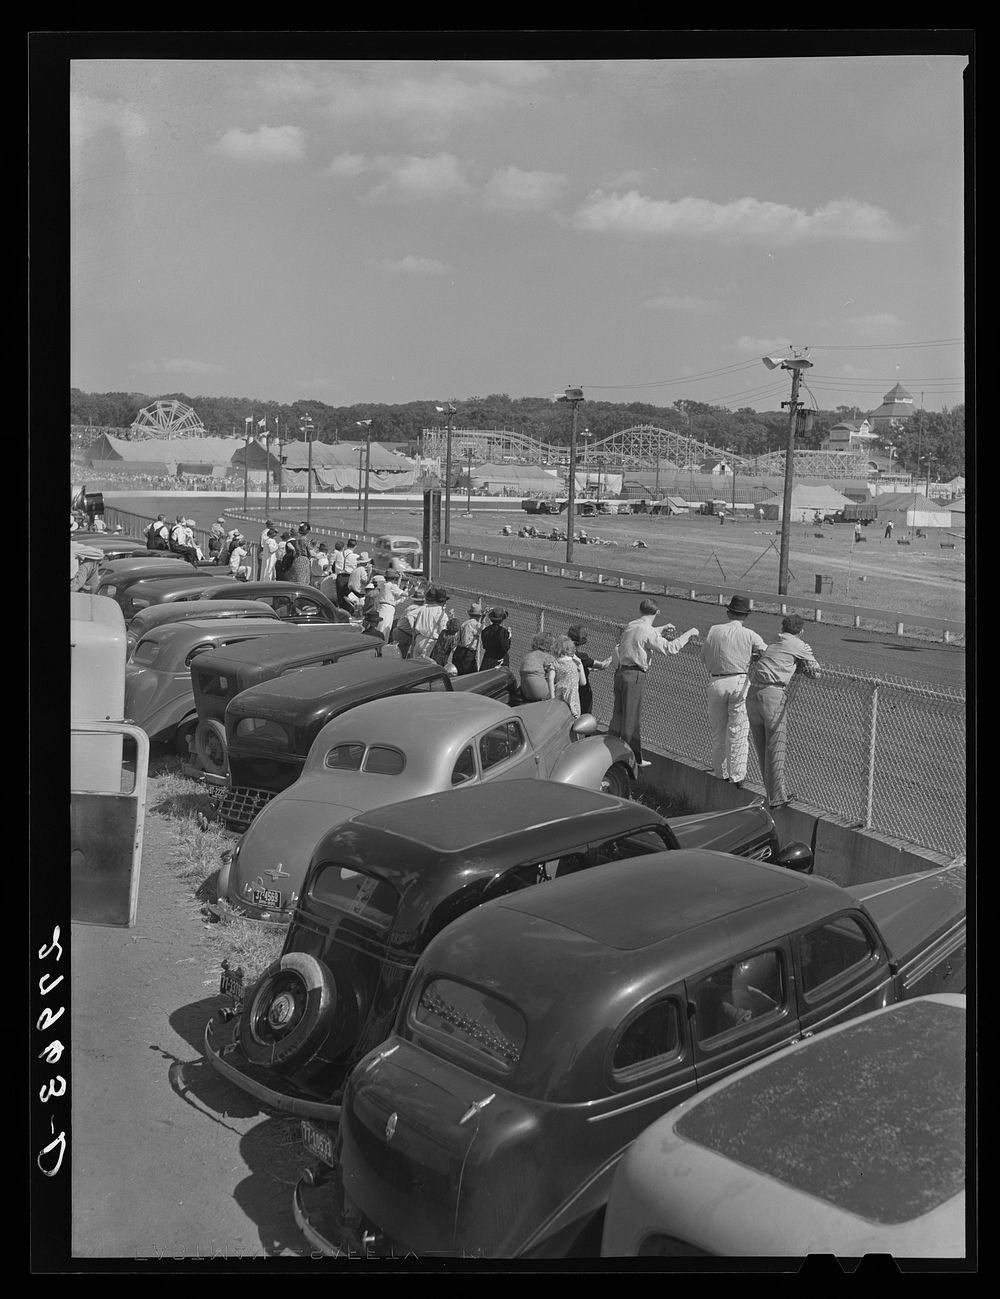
399, 748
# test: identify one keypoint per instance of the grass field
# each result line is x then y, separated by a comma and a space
921, 578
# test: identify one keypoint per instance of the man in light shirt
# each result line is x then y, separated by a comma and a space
639, 641
770, 677
727, 652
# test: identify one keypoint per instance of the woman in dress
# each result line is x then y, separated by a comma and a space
301, 572
569, 674
578, 636
538, 669
428, 621
269, 551
495, 640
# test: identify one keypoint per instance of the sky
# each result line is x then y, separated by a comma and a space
388, 231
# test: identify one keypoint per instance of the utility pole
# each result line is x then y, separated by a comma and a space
574, 396
367, 425
796, 364
306, 425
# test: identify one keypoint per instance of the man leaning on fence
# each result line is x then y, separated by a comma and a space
767, 702
639, 641
726, 653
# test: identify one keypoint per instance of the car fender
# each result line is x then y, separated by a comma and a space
162, 722
585, 762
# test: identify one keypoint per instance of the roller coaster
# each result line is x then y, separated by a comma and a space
641, 447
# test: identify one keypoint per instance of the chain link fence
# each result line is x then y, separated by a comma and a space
882, 752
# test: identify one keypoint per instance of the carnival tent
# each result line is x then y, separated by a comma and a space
912, 510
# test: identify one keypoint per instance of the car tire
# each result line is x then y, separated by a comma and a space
210, 745
288, 1012
617, 780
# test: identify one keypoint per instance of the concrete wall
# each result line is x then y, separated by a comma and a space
842, 852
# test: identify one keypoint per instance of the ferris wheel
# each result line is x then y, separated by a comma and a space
167, 419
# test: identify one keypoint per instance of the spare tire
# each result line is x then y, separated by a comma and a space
210, 745
288, 1012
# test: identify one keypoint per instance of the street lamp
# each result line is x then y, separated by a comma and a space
796, 364
468, 481
366, 424
307, 428
574, 396
448, 410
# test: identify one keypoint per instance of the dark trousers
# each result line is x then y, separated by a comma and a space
627, 712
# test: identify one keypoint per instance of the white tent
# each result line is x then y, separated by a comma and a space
810, 499
912, 510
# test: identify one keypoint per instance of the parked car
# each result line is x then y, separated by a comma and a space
162, 563
290, 601
542, 1032
270, 728
159, 615
114, 546
421, 863
542, 506
117, 579
218, 678
406, 550
398, 748
850, 1143
158, 693
136, 593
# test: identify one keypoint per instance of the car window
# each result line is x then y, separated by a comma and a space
282, 605
198, 649
356, 893
739, 994
307, 608
500, 743
517, 878
636, 844
655, 1034
439, 683
262, 729
465, 767
145, 653
383, 761
473, 1019
568, 864
345, 757
831, 951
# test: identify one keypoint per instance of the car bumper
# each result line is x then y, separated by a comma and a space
222, 1050
318, 1208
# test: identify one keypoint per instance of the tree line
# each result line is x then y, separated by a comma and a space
939, 435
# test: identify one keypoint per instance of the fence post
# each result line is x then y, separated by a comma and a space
541, 620
872, 735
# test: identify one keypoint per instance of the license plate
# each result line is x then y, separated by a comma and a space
231, 986
318, 1142
266, 898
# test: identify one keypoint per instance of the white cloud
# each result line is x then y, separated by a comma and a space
668, 301
762, 346
880, 325
413, 179
412, 265
88, 116
349, 164
742, 220
512, 190
178, 365
266, 144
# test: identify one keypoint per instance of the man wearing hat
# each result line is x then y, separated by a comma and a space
727, 653
465, 656
639, 641
360, 576
767, 703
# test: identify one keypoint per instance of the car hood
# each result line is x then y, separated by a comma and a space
282, 838
915, 910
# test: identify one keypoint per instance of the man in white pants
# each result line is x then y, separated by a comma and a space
726, 652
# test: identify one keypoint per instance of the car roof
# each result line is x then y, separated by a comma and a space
253, 589
186, 610
435, 716
354, 674
461, 820
176, 582
195, 628
299, 641
886, 1090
